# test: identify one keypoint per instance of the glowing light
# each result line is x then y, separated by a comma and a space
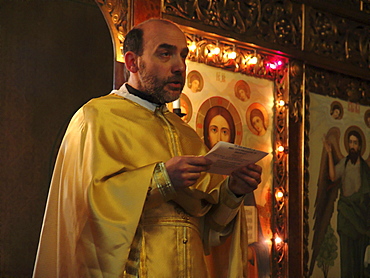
275, 64
192, 47
252, 60
278, 240
281, 102
272, 66
279, 194
281, 148
231, 55
215, 51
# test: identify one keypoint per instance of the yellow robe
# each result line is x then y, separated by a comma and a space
104, 216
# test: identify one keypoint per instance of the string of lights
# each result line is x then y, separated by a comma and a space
237, 57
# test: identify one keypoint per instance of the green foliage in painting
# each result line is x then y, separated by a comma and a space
328, 251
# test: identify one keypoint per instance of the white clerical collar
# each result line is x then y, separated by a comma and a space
123, 92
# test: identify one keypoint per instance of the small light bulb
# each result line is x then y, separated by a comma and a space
272, 66
280, 194
281, 148
231, 55
281, 102
192, 47
252, 61
278, 240
216, 51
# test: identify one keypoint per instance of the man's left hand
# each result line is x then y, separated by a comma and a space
246, 179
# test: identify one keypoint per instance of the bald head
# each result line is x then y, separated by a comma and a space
135, 41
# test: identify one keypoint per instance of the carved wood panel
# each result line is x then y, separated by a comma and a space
273, 22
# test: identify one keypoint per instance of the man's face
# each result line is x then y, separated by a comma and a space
219, 130
353, 143
354, 149
162, 65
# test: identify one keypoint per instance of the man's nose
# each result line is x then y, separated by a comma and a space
179, 65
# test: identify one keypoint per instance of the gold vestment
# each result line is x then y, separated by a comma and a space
104, 216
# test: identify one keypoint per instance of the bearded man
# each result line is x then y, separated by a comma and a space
130, 194
353, 220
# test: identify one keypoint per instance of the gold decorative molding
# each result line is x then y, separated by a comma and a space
275, 22
306, 180
338, 38
235, 56
265, 64
357, 10
118, 14
279, 225
320, 34
296, 90
337, 85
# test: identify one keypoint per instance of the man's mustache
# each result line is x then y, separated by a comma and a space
176, 78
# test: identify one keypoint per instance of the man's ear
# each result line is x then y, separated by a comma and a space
131, 61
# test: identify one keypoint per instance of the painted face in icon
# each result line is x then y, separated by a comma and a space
219, 130
258, 122
218, 126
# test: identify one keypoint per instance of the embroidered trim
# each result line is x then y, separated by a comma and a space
163, 182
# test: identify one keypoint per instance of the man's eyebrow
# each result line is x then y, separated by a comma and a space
167, 46
171, 47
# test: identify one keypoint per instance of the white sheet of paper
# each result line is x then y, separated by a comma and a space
228, 157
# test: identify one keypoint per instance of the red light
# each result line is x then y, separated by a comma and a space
275, 64
272, 66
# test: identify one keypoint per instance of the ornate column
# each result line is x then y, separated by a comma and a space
121, 16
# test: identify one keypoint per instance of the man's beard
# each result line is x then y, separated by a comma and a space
353, 156
155, 87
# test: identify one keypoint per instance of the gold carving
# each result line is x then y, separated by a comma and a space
338, 85
234, 56
117, 14
272, 21
338, 38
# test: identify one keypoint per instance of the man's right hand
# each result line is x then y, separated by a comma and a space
184, 171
